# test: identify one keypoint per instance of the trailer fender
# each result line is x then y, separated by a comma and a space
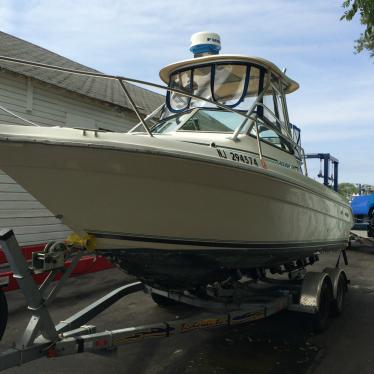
311, 288
316, 300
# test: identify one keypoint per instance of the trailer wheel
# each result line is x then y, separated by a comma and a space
338, 302
320, 318
3, 312
163, 301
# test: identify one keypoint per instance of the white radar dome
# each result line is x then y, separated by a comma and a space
205, 43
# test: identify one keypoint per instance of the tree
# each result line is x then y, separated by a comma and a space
366, 11
347, 189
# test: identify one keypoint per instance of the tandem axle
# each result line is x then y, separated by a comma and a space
317, 295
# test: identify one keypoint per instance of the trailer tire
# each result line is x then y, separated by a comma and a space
338, 302
3, 312
162, 301
320, 319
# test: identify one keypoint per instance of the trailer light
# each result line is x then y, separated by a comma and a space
101, 343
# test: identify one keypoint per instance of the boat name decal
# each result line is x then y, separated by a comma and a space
238, 157
249, 160
287, 165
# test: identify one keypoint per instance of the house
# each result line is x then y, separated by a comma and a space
53, 98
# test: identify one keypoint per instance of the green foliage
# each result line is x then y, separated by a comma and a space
366, 10
347, 189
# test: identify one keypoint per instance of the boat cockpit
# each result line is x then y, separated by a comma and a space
231, 100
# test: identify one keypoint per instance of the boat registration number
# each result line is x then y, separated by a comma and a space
237, 157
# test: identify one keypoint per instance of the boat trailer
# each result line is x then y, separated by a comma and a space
316, 294
359, 238
86, 264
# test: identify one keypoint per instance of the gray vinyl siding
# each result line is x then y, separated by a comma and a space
50, 106
30, 220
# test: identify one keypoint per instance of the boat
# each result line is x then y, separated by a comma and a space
211, 185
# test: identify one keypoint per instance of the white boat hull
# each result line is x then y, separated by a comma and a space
145, 199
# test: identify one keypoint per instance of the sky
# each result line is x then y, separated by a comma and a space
335, 103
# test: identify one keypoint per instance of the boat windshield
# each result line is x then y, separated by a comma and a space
233, 84
237, 85
218, 121
203, 120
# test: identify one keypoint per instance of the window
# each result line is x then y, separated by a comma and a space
232, 84
253, 82
281, 109
213, 121
229, 83
204, 120
171, 124
180, 81
271, 137
201, 86
269, 102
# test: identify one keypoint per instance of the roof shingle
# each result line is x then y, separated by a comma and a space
107, 90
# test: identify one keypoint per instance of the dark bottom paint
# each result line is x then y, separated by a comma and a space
188, 269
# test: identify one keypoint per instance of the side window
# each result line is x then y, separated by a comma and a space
280, 113
281, 109
201, 86
271, 137
275, 111
180, 81
269, 102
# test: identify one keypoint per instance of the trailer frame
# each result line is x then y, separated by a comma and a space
231, 306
